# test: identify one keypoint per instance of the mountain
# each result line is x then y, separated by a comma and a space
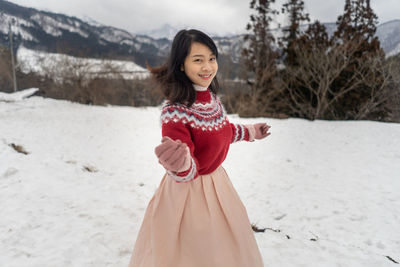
58, 33
166, 31
91, 21
389, 36
231, 45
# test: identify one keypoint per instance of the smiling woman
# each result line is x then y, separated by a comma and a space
196, 217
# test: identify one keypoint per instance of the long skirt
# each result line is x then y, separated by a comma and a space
201, 223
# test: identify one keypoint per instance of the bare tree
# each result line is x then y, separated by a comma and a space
313, 96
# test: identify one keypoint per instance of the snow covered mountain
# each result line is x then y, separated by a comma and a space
58, 33
389, 36
56, 65
166, 31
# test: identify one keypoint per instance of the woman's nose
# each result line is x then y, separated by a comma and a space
206, 66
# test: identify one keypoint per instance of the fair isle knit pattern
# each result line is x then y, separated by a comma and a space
239, 133
205, 128
207, 117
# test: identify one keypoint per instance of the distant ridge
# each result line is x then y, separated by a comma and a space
58, 33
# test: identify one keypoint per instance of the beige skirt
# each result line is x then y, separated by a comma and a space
201, 223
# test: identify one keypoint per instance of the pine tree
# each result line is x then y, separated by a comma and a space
315, 36
259, 56
356, 30
296, 14
294, 93
358, 22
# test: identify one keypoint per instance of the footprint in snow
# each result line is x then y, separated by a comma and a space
10, 172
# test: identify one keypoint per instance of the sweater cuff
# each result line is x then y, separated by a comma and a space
252, 131
241, 133
185, 176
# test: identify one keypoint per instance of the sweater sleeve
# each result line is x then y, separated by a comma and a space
239, 132
178, 130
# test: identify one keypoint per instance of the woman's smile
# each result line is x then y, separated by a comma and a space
205, 76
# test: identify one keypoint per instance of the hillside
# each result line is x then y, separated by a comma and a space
58, 33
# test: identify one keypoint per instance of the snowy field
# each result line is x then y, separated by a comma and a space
58, 66
327, 192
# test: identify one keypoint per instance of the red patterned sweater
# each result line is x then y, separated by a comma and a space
205, 128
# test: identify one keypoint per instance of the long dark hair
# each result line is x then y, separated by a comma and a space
173, 82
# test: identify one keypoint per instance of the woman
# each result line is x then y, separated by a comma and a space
196, 218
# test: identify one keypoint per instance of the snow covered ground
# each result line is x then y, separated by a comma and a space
330, 190
58, 66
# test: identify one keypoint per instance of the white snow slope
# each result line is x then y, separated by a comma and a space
59, 66
330, 189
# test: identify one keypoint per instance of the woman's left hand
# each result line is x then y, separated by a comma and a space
261, 130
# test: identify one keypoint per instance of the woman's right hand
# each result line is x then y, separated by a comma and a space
173, 155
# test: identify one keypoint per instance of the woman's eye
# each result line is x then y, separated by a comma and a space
213, 59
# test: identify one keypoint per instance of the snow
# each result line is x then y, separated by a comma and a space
165, 31
89, 20
144, 39
17, 96
18, 26
52, 26
388, 34
59, 66
388, 30
114, 35
128, 42
48, 24
334, 182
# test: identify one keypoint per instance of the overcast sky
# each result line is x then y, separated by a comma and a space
213, 16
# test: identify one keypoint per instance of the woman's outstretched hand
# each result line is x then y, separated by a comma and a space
261, 130
173, 155
258, 131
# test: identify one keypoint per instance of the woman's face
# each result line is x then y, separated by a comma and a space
200, 65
